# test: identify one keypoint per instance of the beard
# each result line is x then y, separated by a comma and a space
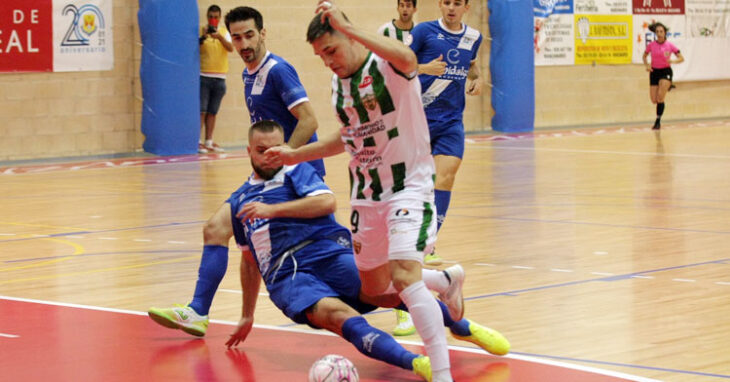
265, 173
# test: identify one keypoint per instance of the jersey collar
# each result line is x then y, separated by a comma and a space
263, 61
443, 26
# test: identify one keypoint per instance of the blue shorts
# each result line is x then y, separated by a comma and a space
212, 91
448, 141
294, 292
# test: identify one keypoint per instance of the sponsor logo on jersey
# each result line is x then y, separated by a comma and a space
366, 81
402, 212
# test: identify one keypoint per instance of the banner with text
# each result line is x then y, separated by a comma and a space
56, 35
576, 32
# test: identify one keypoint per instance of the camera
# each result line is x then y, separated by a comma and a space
212, 29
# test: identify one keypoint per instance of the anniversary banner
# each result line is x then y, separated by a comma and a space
56, 35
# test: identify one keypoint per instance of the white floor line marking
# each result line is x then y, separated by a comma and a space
485, 264
36, 235
95, 217
75, 237
561, 270
176, 242
143, 240
722, 283
641, 277
9, 335
602, 273
600, 253
684, 280
640, 153
522, 267
240, 292
325, 333
108, 238
7, 234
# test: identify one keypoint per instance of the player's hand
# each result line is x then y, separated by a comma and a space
474, 87
436, 67
256, 210
245, 324
333, 14
216, 35
279, 155
649, 69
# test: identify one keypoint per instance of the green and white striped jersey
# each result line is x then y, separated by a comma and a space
390, 30
384, 129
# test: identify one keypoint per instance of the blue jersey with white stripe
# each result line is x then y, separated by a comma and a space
443, 96
271, 90
270, 239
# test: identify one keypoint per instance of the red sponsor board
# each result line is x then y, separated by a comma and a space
26, 36
658, 7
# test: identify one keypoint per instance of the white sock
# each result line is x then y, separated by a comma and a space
435, 280
209, 142
429, 323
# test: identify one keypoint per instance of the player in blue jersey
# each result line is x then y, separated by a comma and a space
457, 44
282, 220
271, 85
273, 91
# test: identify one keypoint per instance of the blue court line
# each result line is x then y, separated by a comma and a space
609, 278
163, 251
690, 372
592, 224
103, 231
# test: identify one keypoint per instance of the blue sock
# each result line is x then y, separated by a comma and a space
376, 343
443, 198
460, 328
213, 266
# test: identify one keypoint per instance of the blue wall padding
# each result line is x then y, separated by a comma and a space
170, 76
512, 64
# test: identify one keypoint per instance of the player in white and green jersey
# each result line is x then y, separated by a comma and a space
377, 99
400, 28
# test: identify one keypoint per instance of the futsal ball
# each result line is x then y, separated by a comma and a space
333, 368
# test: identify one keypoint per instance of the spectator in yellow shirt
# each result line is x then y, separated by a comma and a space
215, 43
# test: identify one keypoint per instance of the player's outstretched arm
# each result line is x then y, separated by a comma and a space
250, 284
306, 125
398, 54
328, 146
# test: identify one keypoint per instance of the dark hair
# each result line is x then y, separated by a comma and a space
397, 2
214, 8
265, 126
317, 28
243, 14
653, 27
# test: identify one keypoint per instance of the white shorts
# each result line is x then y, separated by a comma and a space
392, 230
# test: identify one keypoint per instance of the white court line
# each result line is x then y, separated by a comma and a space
561, 270
639, 153
485, 264
602, 273
9, 335
326, 333
684, 280
240, 292
722, 283
600, 253
641, 277
36, 235
143, 240
522, 267
176, 242
7, 234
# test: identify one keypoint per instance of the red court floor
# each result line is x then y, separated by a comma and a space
43, 341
